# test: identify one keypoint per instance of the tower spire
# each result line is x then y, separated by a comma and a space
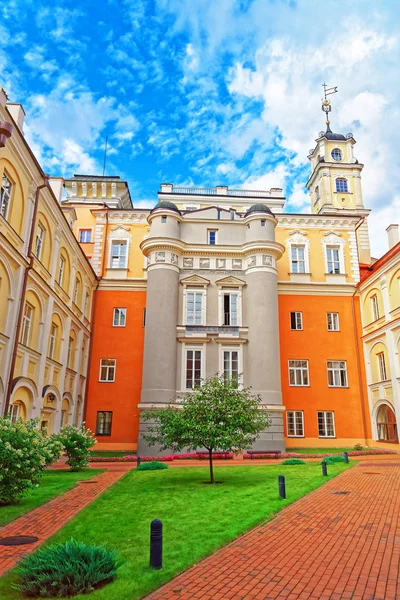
326, 104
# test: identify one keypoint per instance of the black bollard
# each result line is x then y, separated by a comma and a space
138, 462
324, 468
346, 457
156, 544
282, 487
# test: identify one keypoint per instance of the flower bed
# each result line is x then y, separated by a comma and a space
321, 455
131, 458
204, 456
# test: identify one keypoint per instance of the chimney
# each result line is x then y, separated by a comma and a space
18, 114
393, 235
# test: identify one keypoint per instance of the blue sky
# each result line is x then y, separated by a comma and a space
207, 92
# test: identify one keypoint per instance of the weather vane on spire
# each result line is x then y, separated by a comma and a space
326, 104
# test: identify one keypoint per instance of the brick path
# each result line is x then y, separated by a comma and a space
46, 520
325, 546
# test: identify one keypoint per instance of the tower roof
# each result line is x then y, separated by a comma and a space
259, 208
166, 204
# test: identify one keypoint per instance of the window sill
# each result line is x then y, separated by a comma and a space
103, 381
339, 387
295, 436
301, 386
103, 434
327, 437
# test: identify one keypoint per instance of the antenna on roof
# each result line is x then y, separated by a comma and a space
326, 104
105, 156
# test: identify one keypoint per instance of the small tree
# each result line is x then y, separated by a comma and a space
76, 442
25, 450
216, 415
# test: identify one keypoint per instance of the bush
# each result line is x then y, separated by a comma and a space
294, 461
358, 447
338, 458
153, 465
76, 442
66, 570
24, 452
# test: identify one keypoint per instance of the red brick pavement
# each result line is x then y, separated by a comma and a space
325, 546
46, 520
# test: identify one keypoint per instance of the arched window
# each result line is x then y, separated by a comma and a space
386, 424
336, 154
5, 195
341, 185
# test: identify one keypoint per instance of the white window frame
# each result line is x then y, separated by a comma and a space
52, 340
192, 348
5, 195
117, 320
27, 324
69, 353
332, 321
297, 261
325, 423
298, 320
337, 159
237, 293
301, 370
119, 243
108, 368
232, 348
196, 291
40, 232
341, 178
329, 248
209, 231
61, 269
336, 372
76, 291
295, 424
382, 366
375, 307
85, 231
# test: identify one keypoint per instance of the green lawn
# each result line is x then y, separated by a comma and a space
113, 453
197, 518
53, 483
320, 450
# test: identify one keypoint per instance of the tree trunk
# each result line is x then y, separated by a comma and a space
211, 466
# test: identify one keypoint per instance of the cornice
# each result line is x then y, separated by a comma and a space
331, 166
135, 285
287, 288
345, 221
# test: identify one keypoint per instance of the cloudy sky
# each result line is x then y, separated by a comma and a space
207, 92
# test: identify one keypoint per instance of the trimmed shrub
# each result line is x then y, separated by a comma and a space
294, 461
76, 442
334, 459
66, 569
25, 450
153, 465
358, 447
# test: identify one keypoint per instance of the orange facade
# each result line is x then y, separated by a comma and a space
125, 345
317, 345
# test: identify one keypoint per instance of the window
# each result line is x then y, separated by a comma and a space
337, 155
14, 412
231, 309
107, 369
341, 184
382, 366
212, 237
317, 193
326, 424
52, 340
69, 355
296, 320
231, 365
337, 373
333, 259
63, 418
298, 259
263, 223
39, 241
194, 308
144, 318
193, 368
86, 303
103, 422
298, 373
295, 423
76, 291
26, 324
119, 317
375, 306
5, 195
332, 321
163, 219
85, 236
61, 269
119, 255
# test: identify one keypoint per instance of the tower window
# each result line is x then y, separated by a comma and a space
163, 219
336, 154
341, 185
317, 193
212, 237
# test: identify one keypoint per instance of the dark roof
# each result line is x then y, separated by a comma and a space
334, 136
259, 208
96, 177
166, 204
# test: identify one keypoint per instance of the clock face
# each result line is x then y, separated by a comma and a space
344, 201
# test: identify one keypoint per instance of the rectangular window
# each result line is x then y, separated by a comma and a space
298, 373
5, 195
326, 424
14, 412
194, 308
69, 355
262, 222
85, 236
107, 369
337, 373
231, 365
333, 259
119, 317
163, 219
76, 291
63, 418
231, 315
295, 423
61, 269
103, 422
296, 320
39, 241
298, 259
193, 368
26, 324
375, 306
86, 303
52, 340
144, 318
212, 237
332, 321
119, 255
382, 366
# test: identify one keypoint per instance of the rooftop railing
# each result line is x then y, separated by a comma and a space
220, 191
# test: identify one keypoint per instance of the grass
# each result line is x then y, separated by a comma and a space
319, 450
197, 518
53, 483
112, 452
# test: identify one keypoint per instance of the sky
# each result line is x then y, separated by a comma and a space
207, 92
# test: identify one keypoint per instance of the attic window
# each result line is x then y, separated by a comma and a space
163, 219
263, 223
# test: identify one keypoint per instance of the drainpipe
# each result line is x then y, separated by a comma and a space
94, 318
30, 256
